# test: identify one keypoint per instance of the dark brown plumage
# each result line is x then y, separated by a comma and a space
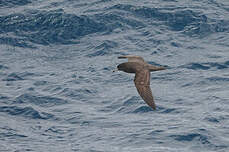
137, 65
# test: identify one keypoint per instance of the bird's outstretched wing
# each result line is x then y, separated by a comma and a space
154, 68
142, 83
132, 58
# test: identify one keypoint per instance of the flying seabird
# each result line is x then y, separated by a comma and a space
137, 65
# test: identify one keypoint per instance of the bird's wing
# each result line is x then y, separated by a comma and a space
142, 83
154, 68
132, 58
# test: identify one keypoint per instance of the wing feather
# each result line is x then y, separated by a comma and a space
132, 58
142, 83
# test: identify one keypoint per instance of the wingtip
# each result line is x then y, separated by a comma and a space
154, 108
154, 68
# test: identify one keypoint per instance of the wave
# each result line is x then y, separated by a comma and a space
3, 67
14, 76
199, 136
190, 22
206, 65
27, 112
59, 27
104, 48
46, 27
43, 101
137, 105
13, 3
190, 137
79, 94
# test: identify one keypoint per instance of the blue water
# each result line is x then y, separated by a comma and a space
58, 92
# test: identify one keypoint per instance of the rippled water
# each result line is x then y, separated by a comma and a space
58, 92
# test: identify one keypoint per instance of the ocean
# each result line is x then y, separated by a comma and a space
58, 92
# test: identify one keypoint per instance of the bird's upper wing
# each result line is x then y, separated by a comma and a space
132, 58
142, 83
154, 68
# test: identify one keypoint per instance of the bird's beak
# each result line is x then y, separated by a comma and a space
115, 70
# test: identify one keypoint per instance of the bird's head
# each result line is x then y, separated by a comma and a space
120, 67
126, 67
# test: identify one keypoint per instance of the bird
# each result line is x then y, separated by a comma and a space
142, 69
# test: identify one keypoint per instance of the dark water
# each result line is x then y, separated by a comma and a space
58, 92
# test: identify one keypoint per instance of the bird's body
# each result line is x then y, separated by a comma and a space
137, 65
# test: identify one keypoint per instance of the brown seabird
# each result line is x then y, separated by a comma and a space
137, 65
